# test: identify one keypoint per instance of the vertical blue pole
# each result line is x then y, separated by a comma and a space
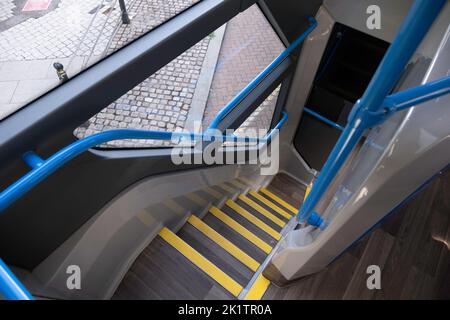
367, 110
10, 286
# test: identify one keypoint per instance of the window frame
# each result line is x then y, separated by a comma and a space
69, 105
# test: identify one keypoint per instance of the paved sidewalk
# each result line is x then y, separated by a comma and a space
249, 45
171, 97
193, 87
73, 32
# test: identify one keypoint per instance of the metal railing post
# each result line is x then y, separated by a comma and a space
123, 9
370, 110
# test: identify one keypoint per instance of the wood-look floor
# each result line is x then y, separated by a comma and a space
412, 247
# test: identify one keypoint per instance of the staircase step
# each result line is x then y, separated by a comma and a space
239, 228
250, 226
215, 254
166, 274
215, 257
282, 213
260, 209
235, 237
201, 262
276, 196
224, 243
251, 218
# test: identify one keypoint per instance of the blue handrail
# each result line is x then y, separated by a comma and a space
322, 118
244, 92
370, 109
43, 168
278, 126
10, 287
417, 95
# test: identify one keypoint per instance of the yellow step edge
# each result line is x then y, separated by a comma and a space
276, 198
257, 222
240, 229
258, 289
201, 262
229, 247
271, 205
308, 190
262, 211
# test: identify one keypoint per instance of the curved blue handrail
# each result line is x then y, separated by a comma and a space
244, 92
43, 168
322, 118
10, 287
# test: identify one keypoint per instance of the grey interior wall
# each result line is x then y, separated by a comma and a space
105, 247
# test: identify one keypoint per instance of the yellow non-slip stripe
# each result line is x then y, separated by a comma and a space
240, 229
258, 289
201, 262
271, 205
257, 222
262, 211
308, 190
229, 247
273, 196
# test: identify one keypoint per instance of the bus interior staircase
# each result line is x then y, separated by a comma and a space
220, 255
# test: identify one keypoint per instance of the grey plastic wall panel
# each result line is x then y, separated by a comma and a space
413, 146
308, 63
291, 15
353, 13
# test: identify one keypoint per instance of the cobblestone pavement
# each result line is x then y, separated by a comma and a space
164, 100
249, 45
161, 102
73, 32
58, 33
6, 9
79, 28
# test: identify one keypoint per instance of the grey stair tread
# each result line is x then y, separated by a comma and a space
161, 272
276, 214
216, 254
286, 197
288, 187
249, 226
132, 287
217, 293
260, 216
235, 238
